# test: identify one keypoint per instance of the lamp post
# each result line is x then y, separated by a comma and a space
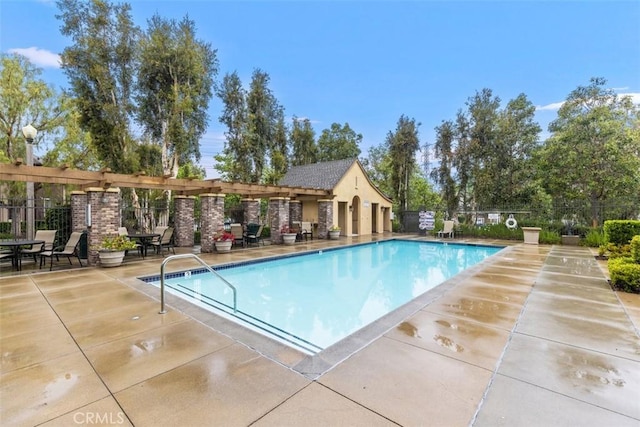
30, 133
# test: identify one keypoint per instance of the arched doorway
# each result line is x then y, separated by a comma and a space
354, 209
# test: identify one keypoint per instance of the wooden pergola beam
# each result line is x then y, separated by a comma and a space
106, 179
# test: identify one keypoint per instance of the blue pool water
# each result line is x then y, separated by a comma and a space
313, 300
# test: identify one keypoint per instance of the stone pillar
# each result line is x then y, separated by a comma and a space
211, 218
279, 216
104, 218
325, 217
251, 209
295, 211
184, 220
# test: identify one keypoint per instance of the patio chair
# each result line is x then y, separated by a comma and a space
255, 237
122, 231
307, 230
448, 229
165, 241
238, 234
68, 250
49, 237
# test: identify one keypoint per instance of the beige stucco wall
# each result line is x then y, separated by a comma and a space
370, 213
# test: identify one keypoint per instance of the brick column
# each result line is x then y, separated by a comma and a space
184, 220
78, 211
279, 216
325, 217
295, 211
105, 217
251, 209
211, 218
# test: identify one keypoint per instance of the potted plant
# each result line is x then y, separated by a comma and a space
288, 235
223, 241
334, 232
113, 248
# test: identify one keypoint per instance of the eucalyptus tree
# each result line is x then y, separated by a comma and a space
234, 162
100, 67
175, 79
403, 145
26, 99
378, 166
279, 151
338, 142
262, 112
593, 153
444, 173
302, 137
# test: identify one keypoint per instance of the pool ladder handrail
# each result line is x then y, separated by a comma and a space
205, 265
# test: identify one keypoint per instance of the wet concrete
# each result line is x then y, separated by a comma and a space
533, 336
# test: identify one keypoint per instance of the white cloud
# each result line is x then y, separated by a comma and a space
550, 107
635, 96
40, 57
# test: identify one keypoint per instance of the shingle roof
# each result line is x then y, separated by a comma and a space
324, 175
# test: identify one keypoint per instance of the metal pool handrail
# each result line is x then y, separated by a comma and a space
205, 265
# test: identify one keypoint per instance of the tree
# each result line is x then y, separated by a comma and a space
339, 142
279, 152
234, 163
443, 174
25, 99
100, 66
593, 153
403, 145
262, 112
175, 77
302, 138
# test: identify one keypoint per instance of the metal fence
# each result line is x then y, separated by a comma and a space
47, 215
565, 212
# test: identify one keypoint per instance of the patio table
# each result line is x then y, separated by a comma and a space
144, 239
15, 245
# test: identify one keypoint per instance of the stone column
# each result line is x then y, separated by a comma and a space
325, 217
184, 220
104, 219
211, 218
295, 211
251, 209
279, 216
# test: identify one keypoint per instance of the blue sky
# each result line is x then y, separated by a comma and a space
368, 62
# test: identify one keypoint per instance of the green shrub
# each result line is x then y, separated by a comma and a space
549, 237
620, 232
594, 238
197, 237
266, 231
618, 251
635, 249
625, 274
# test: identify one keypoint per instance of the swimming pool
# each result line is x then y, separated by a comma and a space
313, 300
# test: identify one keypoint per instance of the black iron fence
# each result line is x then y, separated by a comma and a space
47, 215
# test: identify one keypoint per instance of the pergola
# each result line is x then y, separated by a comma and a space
20, 172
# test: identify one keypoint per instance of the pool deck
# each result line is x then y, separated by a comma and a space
532, 337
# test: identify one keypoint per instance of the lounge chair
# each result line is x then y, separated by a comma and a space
49, 237
68, 250
255, 237
448, 229
165, 241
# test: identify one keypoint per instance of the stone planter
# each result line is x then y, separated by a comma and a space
531, 235
334, 234
111, 258
223, 245
570, 240
288, 238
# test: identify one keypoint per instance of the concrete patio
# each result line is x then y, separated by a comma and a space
532, 337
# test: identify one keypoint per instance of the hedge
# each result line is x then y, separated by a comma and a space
635, 249
620, 232
625, 274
